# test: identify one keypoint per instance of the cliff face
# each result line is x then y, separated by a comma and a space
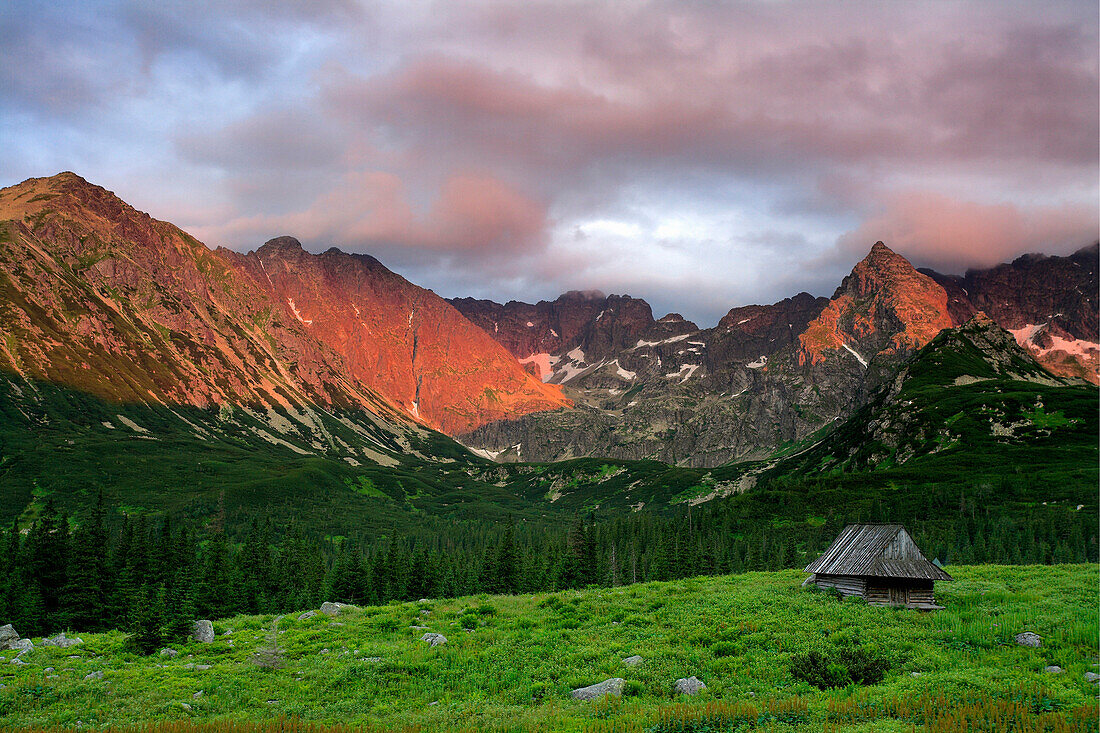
398, 339
1047, 303
102, 298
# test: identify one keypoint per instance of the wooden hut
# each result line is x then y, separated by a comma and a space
879, 562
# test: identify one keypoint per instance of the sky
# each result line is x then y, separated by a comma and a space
700, 155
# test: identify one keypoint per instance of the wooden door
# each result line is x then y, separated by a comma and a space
899, 596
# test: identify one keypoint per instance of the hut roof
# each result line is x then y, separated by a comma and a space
876, 550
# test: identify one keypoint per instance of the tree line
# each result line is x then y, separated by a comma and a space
153, 575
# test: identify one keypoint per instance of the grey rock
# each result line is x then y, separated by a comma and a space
51, 676
22, 646
633, 661
434, 639
203, 631
689, 686
335, 623
1029, 638
613, 686
1092, 677
373, 660
93, 676
419, 628
185, 706
197, 695
1053, 669
330, 608
62, 641
196, 667
18, 661
307, 615
8, 634
48, 669
166, 652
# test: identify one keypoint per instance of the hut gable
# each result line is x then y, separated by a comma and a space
876, 551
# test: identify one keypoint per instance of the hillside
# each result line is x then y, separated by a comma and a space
101, 298
749, 638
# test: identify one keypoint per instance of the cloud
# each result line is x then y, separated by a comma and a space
370, 211
950, 235
708, 153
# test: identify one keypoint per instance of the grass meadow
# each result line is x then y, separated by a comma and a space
511, 661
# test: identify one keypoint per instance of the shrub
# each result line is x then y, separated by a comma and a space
726, 649
840, 667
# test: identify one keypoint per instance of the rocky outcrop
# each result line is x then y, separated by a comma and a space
434, 639
689, 686
1048, 303
202, 632
62, 641
612, 687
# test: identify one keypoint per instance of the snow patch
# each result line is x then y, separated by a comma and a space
686, 370
855, 353
672, 340
415, 409
486, 453
307, 321
131, 424
530, 324
743, 320
623, 373
758, 364
553, 333
545, 363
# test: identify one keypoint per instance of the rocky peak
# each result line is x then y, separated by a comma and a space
284, 244
884, 306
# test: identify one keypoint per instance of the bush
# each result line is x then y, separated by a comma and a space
841, 667
726, 649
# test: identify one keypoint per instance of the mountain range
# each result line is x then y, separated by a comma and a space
329, 369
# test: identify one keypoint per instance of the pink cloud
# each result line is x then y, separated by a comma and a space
371, 210
950, 235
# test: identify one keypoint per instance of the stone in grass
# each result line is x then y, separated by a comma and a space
633, 661
18, 661
62, 641
434, 639
22, 646
307, 615
93, 676
1092, 677
185, 706
197, 695
166, 652
689, 686
8, 634
330, 608
196, 667
1053, 669
1029, 638
613, 686
203, 631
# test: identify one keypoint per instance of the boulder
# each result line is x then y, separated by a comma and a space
203, 631
613, 686
330, 608
1029, 638
18, 661
8, 634
22, 646
1053, 669
1092, 677
166, 652
434, 639
307, 615
62, 641
633, 661
689, 686
93, 676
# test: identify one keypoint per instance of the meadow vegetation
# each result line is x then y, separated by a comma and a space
774, 656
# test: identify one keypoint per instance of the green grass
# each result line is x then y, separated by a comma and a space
515, 669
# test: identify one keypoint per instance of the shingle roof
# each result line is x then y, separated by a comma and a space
860, 548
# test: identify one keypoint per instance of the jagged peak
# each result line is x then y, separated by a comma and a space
281, 244
582, 295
